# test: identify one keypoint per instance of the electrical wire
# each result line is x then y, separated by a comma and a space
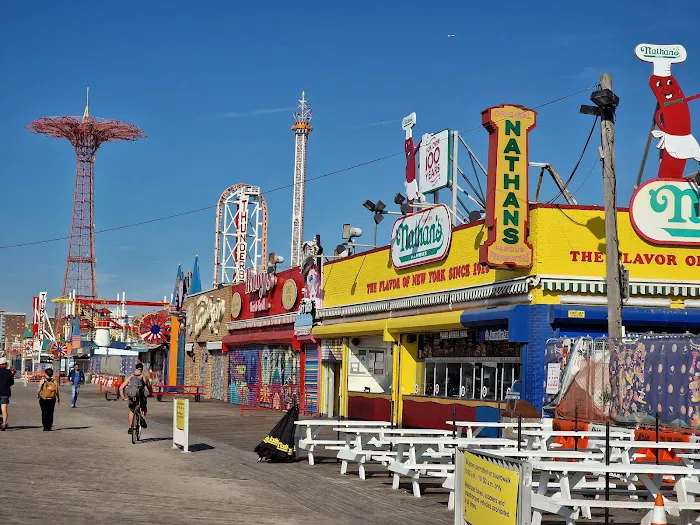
578, 163
310, 179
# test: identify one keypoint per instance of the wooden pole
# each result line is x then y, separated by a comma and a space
612, 246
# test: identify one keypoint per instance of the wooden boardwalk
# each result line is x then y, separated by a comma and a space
100, 476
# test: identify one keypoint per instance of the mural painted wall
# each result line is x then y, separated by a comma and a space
265, 376
653, 376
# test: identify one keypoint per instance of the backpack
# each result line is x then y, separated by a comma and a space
49, 390
134, 388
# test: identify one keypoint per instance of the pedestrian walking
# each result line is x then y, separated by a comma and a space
7, 379
48, 397
76, 378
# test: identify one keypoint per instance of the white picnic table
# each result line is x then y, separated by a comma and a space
628, 449
474, 428
571, 475
542, 438
584, 455
312, 428
434, 456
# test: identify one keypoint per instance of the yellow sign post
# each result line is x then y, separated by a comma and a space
180, 414
491, 491
181, 424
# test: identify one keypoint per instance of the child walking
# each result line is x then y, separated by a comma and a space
48, 397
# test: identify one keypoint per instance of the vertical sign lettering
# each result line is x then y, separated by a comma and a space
507, 213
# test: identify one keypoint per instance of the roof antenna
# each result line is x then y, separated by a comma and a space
86, 113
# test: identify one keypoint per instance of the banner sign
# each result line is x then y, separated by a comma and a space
507, 210
434, 165
421, 238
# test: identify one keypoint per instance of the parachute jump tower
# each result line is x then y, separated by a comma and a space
301, 129
86, 134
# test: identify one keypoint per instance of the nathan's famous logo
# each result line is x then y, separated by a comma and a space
421, 237
507, 210
652, 51
665, 210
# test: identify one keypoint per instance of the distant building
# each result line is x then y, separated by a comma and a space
12, 326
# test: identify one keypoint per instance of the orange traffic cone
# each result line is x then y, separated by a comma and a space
658, 515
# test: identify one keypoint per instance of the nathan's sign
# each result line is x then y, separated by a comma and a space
667, 212
260, 284
421, 238
507, 213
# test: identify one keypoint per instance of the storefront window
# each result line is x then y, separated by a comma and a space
467, 388
462, 367
429, 379
454, 380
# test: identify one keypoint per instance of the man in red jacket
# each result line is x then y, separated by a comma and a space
7, 379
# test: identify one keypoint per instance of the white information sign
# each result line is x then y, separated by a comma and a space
422, 237
553, 378
181, 423
435, 168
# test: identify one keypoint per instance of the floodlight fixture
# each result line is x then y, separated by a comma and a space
370, 205
350, 232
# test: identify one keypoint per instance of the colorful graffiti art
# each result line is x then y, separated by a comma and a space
264, 377
657, 376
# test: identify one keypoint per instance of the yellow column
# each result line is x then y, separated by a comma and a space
344, 372
404, 372
172, 354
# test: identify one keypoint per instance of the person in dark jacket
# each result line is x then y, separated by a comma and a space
7, 379
76, 378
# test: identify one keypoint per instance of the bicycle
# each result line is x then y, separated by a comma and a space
136, 424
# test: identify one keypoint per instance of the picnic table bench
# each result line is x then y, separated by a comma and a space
311, 429
572, 475
178, 390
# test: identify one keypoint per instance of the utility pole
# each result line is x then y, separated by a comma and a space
612, 243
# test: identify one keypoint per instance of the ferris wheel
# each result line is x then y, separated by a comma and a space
153, 328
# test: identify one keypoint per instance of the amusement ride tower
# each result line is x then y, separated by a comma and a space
86, 134
301, 129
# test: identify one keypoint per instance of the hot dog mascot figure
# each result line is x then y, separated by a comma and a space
673, 116
412, 190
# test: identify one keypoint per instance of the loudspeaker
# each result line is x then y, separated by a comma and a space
355, 341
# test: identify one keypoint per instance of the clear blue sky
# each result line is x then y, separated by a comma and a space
213, 84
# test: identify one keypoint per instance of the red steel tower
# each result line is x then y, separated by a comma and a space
86, 133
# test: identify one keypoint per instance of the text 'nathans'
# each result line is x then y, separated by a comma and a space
507, 212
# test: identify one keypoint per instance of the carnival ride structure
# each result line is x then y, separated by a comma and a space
86, 134
241, 233
301, 128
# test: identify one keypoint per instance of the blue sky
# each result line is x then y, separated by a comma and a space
213, 85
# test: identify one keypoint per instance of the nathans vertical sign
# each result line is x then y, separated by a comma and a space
507, 212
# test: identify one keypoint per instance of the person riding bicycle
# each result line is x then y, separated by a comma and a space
133, 389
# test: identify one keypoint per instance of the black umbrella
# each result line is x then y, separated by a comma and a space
278, 445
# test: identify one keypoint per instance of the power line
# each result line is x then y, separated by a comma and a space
578, 163
311, 179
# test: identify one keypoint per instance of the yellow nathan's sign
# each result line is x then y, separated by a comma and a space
180, 414
507, 207
490, 492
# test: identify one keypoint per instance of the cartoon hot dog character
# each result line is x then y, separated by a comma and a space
673, 116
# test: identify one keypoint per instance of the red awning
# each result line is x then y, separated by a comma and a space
262, 337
